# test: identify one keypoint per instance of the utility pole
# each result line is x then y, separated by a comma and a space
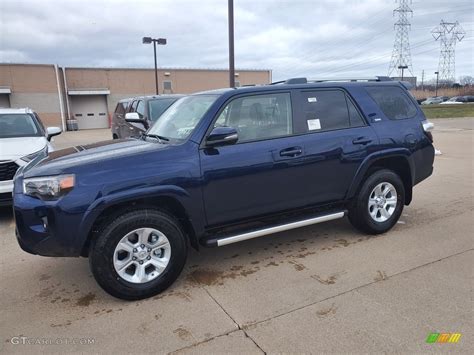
448, 33
401, 56
423, 80
230, 6
436, 87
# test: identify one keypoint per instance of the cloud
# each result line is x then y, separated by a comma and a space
291, 37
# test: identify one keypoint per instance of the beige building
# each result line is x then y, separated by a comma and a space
91, 94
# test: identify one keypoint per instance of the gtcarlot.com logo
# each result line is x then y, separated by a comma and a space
23, 340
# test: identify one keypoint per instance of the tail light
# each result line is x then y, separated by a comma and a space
428, 128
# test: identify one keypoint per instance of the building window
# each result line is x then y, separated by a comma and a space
167, 86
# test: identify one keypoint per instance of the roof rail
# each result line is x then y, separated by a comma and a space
294, 81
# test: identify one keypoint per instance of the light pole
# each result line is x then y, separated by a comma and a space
230, 8
402, 67
436, 87
162, 41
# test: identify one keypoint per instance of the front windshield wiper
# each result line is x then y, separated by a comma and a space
161, 139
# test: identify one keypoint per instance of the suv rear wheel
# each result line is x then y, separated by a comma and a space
379, 204
138, 254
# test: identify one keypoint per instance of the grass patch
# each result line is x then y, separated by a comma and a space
448, 111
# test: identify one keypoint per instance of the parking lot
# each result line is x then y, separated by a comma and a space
324, 288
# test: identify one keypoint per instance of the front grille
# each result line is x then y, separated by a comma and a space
7, 170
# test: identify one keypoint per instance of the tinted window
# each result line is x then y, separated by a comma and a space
133, 107
323, 110
354, 115
393, 101
18, 125
140, 109
120, 109
258, 117
157, 107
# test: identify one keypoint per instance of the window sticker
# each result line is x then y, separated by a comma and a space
314, 124
312, 99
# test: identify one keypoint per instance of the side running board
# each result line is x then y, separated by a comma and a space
220, 241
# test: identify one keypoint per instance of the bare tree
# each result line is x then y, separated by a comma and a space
466, 80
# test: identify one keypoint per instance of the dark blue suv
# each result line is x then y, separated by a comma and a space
225, 166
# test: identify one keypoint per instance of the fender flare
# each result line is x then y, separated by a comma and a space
99, 205
371, 159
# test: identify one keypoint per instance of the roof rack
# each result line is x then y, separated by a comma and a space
294, 81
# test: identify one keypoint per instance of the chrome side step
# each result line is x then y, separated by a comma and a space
270, 230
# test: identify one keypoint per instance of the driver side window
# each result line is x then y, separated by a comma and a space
258, 117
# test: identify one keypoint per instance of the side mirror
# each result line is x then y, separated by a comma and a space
134, 117
52, 131
222, 136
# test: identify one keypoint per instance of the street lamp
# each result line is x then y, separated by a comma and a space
436, 87
155, 41
402, 67
230, 20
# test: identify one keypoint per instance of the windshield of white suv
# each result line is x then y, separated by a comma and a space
181, 118
18, 125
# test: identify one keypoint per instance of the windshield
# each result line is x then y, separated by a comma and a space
157, 107
18, 125
182, 117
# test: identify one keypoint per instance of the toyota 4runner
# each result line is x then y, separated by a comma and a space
224, 166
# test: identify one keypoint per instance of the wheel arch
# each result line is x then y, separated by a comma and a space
165, 203
399, 162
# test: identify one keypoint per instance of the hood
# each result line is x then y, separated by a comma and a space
16, 148
60, 160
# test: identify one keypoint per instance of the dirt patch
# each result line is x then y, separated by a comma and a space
381, 275
271, 263
44, 277
183, 333
297, 266
343, 242
85, 300
331, 280
322, 313
207, 277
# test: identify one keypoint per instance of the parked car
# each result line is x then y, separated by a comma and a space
224, 166
469, 98
23, 138
454, 100
434, 100
134, 116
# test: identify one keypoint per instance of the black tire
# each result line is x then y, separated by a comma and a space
359, 215
102, 253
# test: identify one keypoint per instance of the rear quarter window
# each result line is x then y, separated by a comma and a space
393, 101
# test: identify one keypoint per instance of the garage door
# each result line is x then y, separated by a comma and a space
4, 100
90, 111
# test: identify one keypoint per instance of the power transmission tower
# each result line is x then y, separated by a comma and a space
448, 33
401, 56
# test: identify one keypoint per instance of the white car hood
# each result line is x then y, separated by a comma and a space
15, 148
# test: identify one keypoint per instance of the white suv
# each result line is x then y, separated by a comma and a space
22, 139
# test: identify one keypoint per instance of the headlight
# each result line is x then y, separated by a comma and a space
32, 156
49, 187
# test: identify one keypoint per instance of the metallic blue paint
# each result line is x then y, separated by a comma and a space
217, 186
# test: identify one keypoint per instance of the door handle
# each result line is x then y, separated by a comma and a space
291, 152
362, 140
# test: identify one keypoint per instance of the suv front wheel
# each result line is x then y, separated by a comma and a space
379, 203
138, 254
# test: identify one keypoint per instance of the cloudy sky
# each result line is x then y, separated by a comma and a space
314, 38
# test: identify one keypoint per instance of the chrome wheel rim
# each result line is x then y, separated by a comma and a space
382, 202
142, 255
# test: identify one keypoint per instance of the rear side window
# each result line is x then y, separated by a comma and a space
327, 110
157, 107
140, 109
393, 102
